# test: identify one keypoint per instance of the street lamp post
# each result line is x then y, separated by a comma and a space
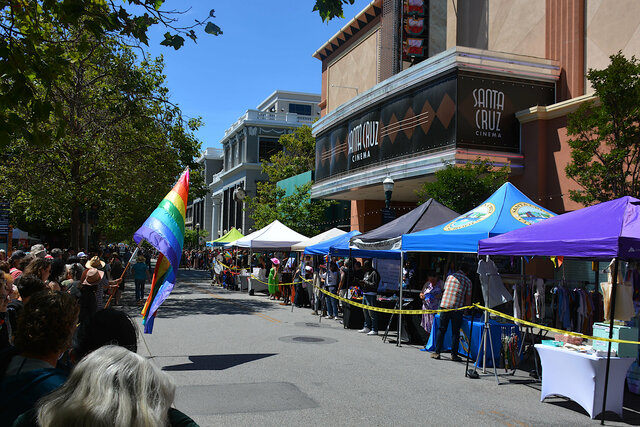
198, 233
387, 213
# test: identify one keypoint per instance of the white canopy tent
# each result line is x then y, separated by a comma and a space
274, 236
329, 234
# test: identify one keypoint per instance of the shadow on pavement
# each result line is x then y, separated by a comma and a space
630, 417
217, 362
174, 307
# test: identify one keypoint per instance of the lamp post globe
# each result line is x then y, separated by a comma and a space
387, 185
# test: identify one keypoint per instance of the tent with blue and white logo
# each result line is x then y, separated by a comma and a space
505, 210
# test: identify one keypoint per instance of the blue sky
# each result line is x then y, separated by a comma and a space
266, 45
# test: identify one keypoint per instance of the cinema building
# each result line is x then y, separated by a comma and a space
410, 86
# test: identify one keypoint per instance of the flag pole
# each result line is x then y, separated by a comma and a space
124, 272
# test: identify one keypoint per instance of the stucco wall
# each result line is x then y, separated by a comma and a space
513, 26
356, 68
517, 26
612, 25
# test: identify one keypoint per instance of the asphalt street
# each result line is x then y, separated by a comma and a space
244, 360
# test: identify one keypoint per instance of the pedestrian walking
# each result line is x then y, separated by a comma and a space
140, 277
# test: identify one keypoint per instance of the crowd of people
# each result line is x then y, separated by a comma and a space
347, 278
65, 359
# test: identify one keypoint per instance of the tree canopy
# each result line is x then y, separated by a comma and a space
605, 144
123, 147
462, 188
297, 211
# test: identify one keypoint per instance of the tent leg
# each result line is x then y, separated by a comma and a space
612, 311
398, 343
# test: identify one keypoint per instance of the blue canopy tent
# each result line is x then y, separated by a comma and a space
505, 210
323, 248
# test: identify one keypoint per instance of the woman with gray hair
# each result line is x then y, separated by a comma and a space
111, 386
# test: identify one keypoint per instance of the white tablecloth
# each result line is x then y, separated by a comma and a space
580, 377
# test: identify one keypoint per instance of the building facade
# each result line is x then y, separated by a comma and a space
251, 139
409, 86
199, 210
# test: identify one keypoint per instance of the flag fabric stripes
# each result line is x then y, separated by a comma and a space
164, 230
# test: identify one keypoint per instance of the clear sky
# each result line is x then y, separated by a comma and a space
266, 45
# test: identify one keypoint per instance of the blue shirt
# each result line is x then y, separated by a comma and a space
140, 271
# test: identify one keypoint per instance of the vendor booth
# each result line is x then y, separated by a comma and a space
326, 235
231, 236
609, 230
505, 210
275, 236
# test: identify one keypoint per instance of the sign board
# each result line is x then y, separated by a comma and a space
455, 110
420, 120
415, 30
4, 218
487, 110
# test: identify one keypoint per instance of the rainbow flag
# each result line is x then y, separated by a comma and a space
164, 230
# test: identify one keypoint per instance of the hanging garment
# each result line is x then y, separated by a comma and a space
493, 290
516, 303
539, 299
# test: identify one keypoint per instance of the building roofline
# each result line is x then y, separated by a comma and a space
365, 16
460, 58
275, 93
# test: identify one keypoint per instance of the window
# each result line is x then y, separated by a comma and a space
304, 110
269, 147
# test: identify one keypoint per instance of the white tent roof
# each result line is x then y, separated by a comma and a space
329, 234
274, 236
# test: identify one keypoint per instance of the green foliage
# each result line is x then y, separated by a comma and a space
329, 9
298, 211
462, 188
298, 155
191, 238
605, 147
124, 145
33, 60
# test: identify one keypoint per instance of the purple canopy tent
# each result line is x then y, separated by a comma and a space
604, 231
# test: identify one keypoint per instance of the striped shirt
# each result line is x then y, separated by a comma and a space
457, 290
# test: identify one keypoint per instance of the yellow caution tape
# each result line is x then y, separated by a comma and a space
481, 307
274, 284
384, 310
548, 328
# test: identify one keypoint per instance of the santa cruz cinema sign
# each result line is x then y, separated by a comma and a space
459, 109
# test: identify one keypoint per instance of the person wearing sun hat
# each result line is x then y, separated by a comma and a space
273, 279
103, 283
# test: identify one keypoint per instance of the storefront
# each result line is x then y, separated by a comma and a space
452, 108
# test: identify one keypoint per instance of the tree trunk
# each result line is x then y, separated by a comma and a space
75, 225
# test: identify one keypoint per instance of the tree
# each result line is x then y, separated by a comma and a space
124, 146
329, 9
605, 147
462, 188
298, 155
33, 60
297, 211
192, 238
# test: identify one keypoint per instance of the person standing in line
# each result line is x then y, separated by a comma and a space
457, 294
273, 279
331, 279
369, 285
140, 277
